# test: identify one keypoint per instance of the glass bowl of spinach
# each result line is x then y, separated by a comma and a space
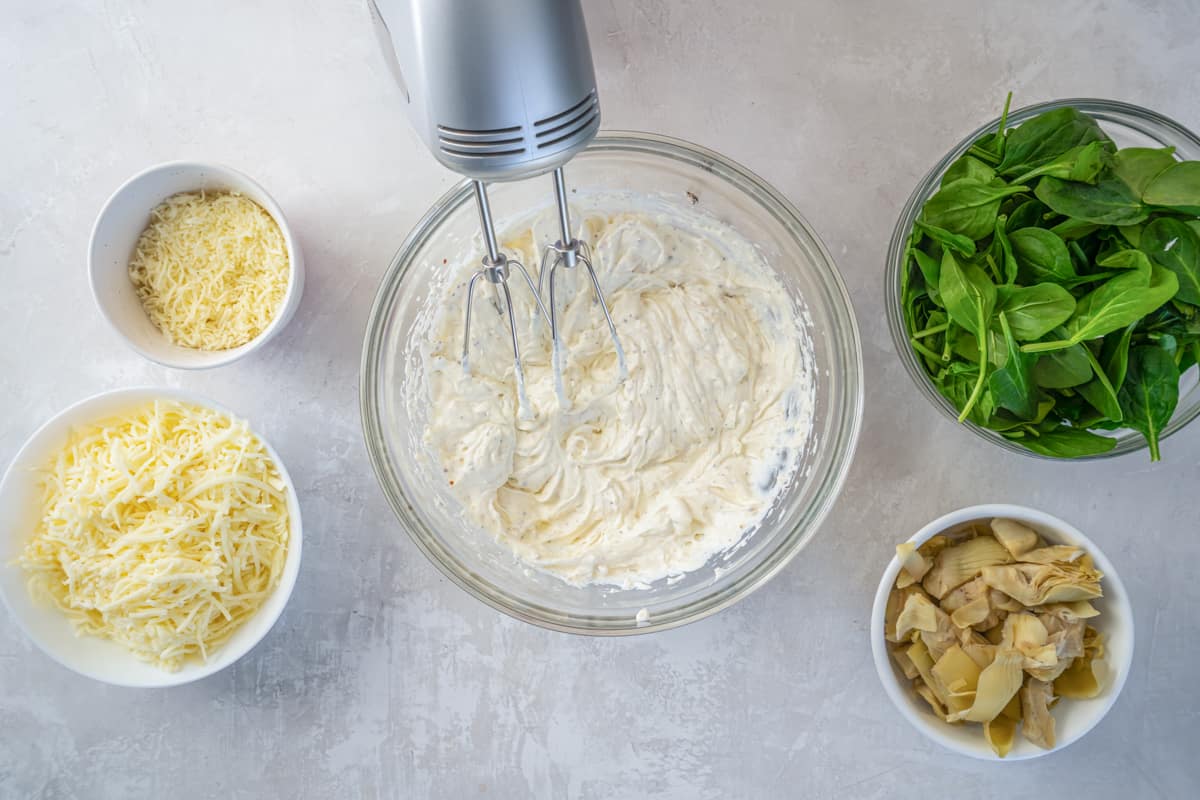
1043, 280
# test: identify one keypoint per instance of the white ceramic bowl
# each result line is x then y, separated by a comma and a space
115, 235
47, 627
1073, 718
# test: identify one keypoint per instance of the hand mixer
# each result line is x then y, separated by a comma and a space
502, 90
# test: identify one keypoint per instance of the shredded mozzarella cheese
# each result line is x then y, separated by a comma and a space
163, 529
211, 269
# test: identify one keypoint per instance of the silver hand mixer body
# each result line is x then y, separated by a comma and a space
501, 90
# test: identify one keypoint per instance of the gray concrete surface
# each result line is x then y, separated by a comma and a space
384, 680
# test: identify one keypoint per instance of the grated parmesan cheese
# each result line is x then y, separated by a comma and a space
211, 269
163, 529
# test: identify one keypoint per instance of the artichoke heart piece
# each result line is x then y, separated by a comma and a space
912, 563
1018, 539
955, 677
973, 613
1037, 722
1053, 553
904, 662
1079, 680
1000, 734
998, 684
1039, 584
924, 692
959, 563
895, 604
919, 613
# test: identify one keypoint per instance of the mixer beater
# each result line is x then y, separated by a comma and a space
568, 252
502, 90
496, 269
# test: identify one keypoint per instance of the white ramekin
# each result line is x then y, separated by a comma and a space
115, 235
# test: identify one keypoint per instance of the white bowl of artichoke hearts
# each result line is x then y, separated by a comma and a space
148, 537
1002, 632
194, 265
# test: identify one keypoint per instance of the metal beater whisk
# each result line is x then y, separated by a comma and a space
568, 252
496, 269
501, 90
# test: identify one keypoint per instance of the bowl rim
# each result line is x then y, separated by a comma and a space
225, 656
1101, 109
826, 495
934, 728
218, 358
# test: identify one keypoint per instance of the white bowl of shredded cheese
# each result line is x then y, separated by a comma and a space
135, 577
218, 271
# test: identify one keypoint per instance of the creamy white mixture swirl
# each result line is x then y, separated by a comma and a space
651, 477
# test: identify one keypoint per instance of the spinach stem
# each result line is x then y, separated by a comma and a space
1100, 374
983, 362
920, 348
1046, 347
931, 331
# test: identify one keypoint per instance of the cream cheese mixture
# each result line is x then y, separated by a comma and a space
644, 479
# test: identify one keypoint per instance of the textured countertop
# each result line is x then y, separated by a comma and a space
384, 680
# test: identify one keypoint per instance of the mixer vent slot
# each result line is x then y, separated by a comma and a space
481, 143
565, 124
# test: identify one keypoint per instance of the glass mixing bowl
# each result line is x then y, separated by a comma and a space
684, 174
1128, 126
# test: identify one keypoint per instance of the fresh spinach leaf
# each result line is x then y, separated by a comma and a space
1034, 311
1040, 255
1114, 304
1002, 251
1176, 187
1108, 202
1063, 369
967, 206
1150, 393
1083, 164
1029, 214
963, 245
968, 294
968, 166
1011, 386
1067, 442
1100, 392
1043, 138
1174, 245
1137, 166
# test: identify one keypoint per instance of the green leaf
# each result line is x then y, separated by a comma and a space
1150, 393
1137, 166
1083, 163
1029, 214
1100, 392
1067, 442
968, 166
1043, 138
1174, 245
1063, 369
1034, 311
1002, 250
1011, 386
1114, 304
1114, 355
970, 299
931, 272
968, 206
1040, 255
1070, 229
967, 293
951, 241
1176, 187
1108, 202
